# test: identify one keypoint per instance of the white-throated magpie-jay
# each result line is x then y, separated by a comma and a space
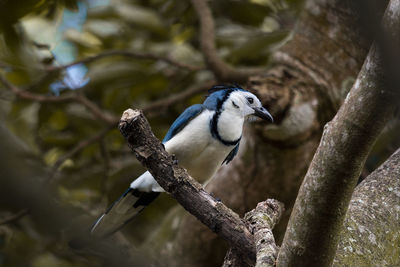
202, 138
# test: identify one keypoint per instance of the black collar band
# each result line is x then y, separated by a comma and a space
215, 133
215, 118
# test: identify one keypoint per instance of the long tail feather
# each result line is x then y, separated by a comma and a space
122, 211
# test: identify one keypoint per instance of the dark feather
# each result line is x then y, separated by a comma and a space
231, 154
220, 87
122, 211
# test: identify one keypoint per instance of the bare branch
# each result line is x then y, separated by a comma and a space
91, 106
260, 221
130, 54
327, 188
154, 108
157, 107
95, 110
175, 180
35, 97
222, 70
104, 184
14, 217
79, 147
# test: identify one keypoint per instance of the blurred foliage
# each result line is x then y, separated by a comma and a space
38, 34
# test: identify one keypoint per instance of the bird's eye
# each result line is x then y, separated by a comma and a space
234, 104
251, 100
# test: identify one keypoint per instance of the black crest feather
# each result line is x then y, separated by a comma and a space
223, 87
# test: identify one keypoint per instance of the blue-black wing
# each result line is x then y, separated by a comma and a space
180, 123
232, 154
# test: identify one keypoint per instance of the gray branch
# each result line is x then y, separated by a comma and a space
175, 180
260, 221
313, 231
220, 68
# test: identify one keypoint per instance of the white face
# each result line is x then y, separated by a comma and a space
242, 103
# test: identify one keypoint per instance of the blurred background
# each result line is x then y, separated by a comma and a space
72, 67
68, 69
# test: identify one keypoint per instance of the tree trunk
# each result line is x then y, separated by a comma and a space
347, 140
371, 232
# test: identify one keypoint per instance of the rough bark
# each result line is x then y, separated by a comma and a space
304, 87
260, 221
363, 241
334, 171
189, 193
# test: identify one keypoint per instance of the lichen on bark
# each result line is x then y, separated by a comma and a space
371, 231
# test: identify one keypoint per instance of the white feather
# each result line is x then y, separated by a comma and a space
196, 150
146, 183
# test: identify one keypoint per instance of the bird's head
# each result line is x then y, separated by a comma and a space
236, 100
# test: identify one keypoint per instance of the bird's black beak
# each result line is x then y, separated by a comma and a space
263, 114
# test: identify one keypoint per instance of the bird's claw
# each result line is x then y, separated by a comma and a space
174, 160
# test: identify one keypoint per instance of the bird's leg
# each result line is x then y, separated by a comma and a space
174, 159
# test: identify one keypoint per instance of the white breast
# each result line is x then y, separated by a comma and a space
230, 126
196, 150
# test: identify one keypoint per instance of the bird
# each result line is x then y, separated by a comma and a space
203, 138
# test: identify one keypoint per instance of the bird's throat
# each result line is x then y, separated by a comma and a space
227, 127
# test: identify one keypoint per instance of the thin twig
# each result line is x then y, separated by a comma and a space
96, 111
14, 217
35, 97
153, 109
106, 164
159, 106
79, 147
222, 70
72, 97
126, 54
